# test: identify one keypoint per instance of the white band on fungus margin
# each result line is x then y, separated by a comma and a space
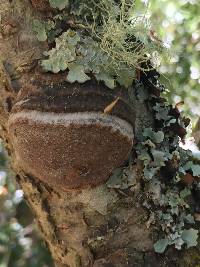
79, 118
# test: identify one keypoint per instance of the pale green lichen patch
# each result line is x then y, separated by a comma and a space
165, 164
172, 201
98, 198
60, 4
123, 178
111, 42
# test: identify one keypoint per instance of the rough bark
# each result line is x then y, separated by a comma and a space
92, 226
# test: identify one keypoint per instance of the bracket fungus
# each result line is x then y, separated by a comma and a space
61, 136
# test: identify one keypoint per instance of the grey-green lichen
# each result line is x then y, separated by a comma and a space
172, 199
102, 39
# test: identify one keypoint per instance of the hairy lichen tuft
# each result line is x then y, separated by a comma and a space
113, 43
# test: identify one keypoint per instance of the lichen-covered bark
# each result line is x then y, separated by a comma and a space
87, 227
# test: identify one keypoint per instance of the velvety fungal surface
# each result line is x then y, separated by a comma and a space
72, 150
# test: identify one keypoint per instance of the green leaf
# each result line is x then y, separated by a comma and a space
161, 245
60, 4
190, 237
77, 74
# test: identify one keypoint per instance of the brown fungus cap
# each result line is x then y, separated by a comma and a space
61, 135
66, 98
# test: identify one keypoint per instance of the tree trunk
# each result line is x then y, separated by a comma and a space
88, 224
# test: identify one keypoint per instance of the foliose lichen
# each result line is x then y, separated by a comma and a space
166, 164
101, 39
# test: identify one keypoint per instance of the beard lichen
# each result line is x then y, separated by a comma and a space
101, 39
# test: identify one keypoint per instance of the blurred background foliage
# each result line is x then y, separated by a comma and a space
177, 23
20, 243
